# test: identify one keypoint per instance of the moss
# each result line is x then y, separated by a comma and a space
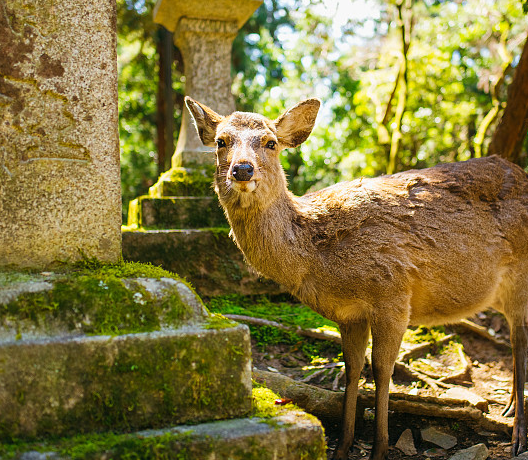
264, 403
217, 321
92, 297
184, 182
290, 314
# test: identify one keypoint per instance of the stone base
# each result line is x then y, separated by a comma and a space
91, 351
193, 158
291, 436
208, 259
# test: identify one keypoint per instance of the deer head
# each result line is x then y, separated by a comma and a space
248, 170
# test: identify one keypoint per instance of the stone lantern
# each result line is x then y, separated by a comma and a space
204, 32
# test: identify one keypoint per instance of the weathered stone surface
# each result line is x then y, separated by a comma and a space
114, 347
65, 304
443, 440
176, 212
59, 151
291, 436
209, 260
477, 452
73, 385
406, 443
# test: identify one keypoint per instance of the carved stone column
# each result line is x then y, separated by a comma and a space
205, 45
204, 33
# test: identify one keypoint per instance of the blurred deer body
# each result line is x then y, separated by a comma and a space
419, 247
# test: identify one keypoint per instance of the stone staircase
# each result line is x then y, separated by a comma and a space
97, 367
181, 226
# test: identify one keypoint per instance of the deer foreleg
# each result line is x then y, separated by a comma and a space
354, 338
386, 341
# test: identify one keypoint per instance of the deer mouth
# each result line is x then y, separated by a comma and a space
247, 186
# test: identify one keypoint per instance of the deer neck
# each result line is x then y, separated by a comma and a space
267, 235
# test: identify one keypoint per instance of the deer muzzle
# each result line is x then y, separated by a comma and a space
242, 172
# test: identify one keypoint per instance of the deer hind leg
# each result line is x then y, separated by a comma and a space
354, 343
387, 335
519, 338
516, 312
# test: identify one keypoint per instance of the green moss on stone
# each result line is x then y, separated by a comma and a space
217, 321
93, 298
184, 182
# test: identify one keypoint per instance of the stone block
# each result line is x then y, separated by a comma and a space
290, 436
208, 259
82, 353
177, 212
60, 194
184, 182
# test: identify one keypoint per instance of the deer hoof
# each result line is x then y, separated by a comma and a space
518, 439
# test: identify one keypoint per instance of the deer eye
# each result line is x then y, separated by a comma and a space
271, 145
220, 143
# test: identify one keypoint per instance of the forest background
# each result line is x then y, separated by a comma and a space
404, 83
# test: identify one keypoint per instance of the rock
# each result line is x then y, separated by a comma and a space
464, 394
477, 452
432, 435
406, 443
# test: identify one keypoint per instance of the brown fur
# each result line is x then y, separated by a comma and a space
419, 247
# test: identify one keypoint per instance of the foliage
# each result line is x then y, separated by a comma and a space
138, 67
461, 57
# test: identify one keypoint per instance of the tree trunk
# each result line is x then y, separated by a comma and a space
508, 139
405, 20
165, 104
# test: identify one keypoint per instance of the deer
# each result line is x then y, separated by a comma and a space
376, 255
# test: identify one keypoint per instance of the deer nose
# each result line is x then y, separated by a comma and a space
242, 172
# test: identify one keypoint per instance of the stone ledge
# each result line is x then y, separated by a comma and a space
177, 212
207, 258
290, 436
61, 386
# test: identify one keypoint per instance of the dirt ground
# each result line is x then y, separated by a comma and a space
490, 375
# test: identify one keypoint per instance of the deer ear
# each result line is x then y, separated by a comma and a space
295, 125
205, 120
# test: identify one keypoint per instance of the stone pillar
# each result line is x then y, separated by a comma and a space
205, 45
204, 33
60, 192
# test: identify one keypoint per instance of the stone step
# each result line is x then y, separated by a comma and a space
184, 182
176, 212
61, 376
290, 436
208, 259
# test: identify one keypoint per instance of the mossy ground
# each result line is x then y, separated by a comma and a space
301, 357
